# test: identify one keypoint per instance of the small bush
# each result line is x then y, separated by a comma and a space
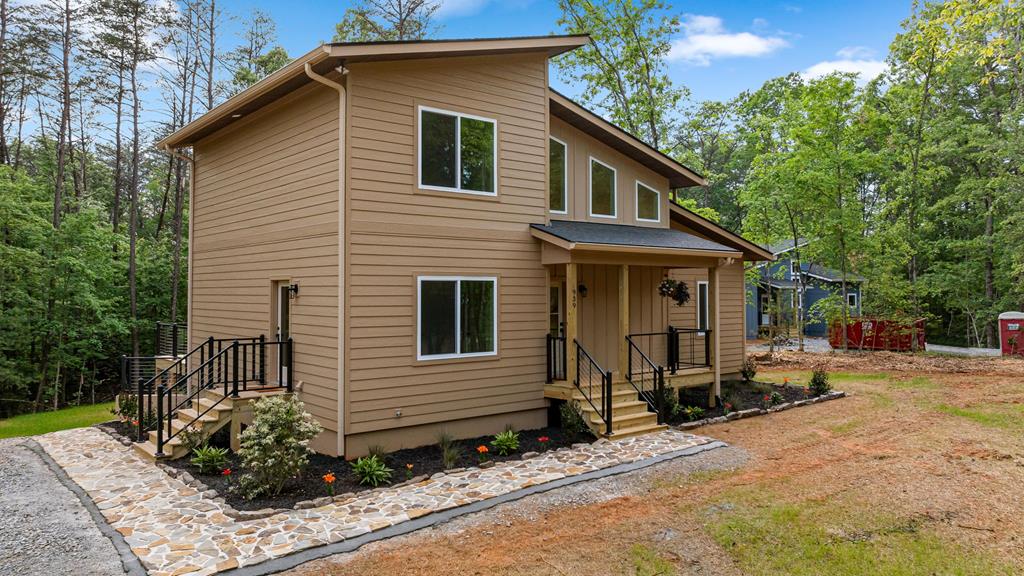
376, 450
506, 443
819, 382
191, 438
209, 459
572, 420
692, 413
371, 471
749, 370
450, 452
275, 447
733, 402
773, 398
670, 403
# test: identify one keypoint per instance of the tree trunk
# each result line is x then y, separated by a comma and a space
990, 287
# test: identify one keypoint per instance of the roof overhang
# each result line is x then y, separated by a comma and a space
326, 58
577, 116
751, 252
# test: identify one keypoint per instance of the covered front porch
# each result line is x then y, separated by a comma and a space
614, 344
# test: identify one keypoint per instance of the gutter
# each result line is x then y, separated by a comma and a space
342, 230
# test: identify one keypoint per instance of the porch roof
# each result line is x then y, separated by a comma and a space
572, 235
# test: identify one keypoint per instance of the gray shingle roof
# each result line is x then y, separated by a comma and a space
785, 245
624, 235
831, 274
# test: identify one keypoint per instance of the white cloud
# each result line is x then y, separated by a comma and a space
851, 59
707, 39
457, 8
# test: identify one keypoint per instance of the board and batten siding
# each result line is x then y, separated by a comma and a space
731, 300
265, 209
397, 232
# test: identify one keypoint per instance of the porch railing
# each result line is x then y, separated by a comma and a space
647, 378
676, 348
590, 377
555, 352
171, 339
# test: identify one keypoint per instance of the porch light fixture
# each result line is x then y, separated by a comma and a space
293, 291
582, 289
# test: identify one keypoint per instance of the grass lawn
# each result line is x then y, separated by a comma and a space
43, 422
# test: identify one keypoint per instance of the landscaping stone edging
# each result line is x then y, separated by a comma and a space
750, 412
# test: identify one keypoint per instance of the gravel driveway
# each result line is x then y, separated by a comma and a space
44, 529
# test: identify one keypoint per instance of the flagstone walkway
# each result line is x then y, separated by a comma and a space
174, 530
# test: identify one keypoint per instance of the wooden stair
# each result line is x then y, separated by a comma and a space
209, 423
630, 416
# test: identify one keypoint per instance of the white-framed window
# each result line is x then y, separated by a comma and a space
457, 317
602, 196
851, 300
558, 176
794, 269
702, 305
457, 152
648, 203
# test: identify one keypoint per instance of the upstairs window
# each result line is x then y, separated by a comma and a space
648, 203
458, 152
602, 189
457, 317
557, 176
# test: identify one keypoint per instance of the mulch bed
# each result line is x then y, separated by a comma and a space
425, 460
741, 396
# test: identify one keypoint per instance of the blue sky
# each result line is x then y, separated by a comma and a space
726, 46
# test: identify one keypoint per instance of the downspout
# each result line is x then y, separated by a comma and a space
191, 161
342, 277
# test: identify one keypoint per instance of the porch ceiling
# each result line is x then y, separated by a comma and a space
574, 236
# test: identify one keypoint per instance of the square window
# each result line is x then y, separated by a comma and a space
602, 189
458, 153
457, 317
648, 203
557, 176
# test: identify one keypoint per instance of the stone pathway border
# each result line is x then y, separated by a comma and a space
686, 426
175, 530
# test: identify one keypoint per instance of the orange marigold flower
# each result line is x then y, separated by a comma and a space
408, 466
482, 449
786, 380
329, 477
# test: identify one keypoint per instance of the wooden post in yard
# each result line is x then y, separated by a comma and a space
571, 320
623, 319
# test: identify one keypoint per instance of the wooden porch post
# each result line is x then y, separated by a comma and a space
571, 320
713, 312
623, 319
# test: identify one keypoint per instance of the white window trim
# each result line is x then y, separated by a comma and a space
458, 151
636, 202
565, 178
458, 316
793, 270
856, 300
590, 190
705, 307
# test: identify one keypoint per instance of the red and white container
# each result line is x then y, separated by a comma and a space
1011, 333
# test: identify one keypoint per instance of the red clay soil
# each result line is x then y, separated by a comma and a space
895, 445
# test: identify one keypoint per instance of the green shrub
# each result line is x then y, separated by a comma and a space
572, 420
209, 459
371, 471
733, 402
692, 413
275, 447
506, 443
749, 369
450, 452
670, 403
819, 382
376, 450
191, 438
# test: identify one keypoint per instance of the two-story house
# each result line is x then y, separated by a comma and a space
783, 287
451, 245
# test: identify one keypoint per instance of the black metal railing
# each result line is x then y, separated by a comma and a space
688, 348
647, 378
171, 339
590, 376
555, 349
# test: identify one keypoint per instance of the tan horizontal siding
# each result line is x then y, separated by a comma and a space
397, 232
266, 209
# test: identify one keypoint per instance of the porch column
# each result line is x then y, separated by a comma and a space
571, 320
623, 319
713, 312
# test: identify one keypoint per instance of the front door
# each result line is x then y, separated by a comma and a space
282, 329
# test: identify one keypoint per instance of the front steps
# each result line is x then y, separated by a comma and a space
630, 416
216, 418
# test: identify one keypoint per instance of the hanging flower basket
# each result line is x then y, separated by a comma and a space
676, 290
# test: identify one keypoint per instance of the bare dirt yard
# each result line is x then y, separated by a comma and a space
918, 471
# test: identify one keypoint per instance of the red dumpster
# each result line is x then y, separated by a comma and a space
1011, 333
866, 333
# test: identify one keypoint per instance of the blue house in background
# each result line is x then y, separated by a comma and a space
781, 279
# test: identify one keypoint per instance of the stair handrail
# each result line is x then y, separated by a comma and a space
605, 411
655, 395
168, 393
145, 388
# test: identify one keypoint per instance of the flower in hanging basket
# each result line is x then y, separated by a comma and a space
676, 290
